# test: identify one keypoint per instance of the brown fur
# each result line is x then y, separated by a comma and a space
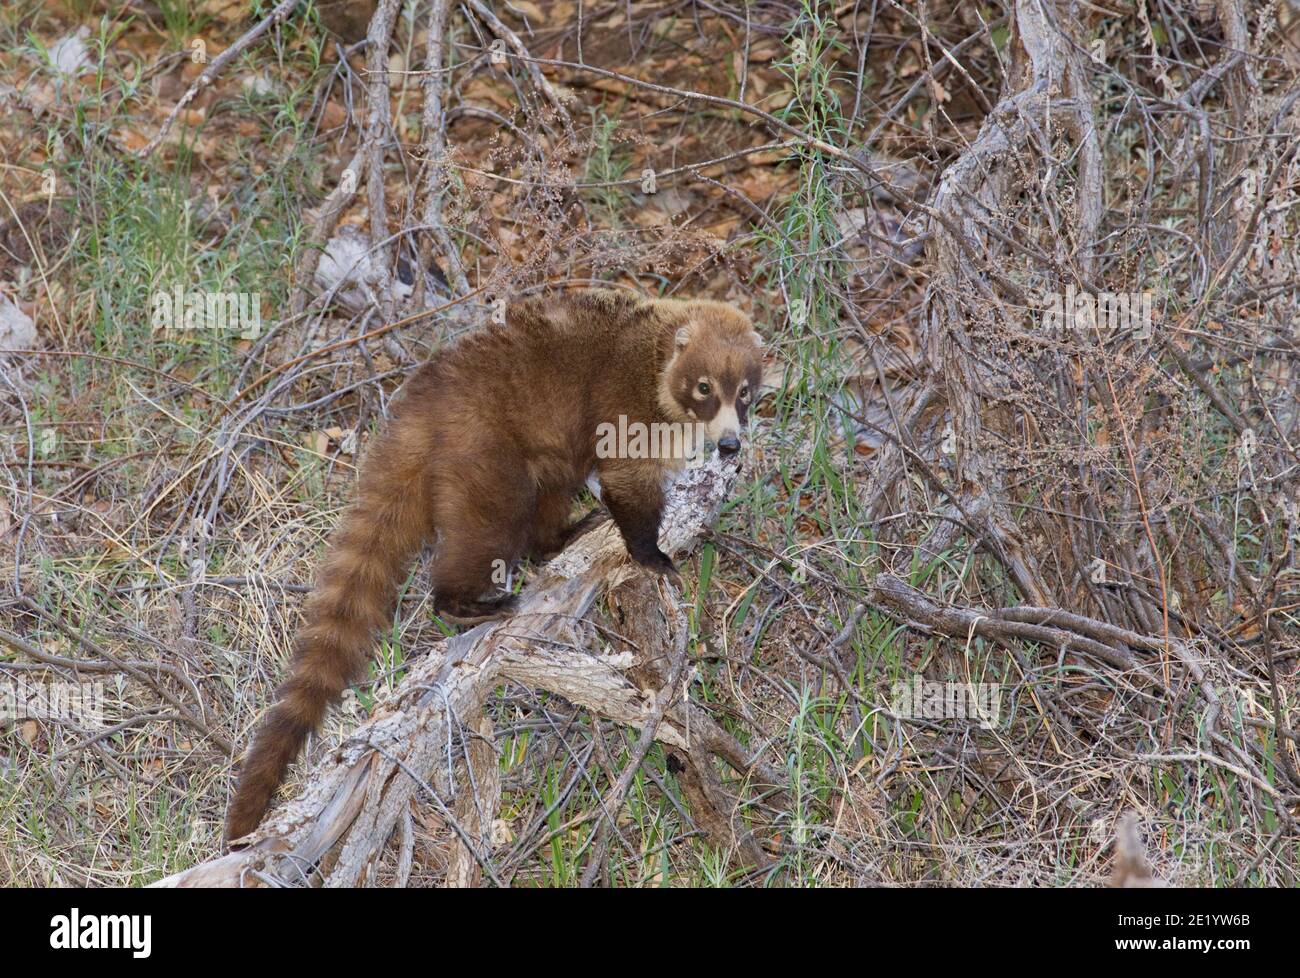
487, 445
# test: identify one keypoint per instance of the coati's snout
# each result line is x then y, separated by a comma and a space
728, 422
713, 374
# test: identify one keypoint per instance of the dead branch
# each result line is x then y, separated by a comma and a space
335, 831
277, 16
327, 218
906, 603
475, 808
539, 81
378, 129
1064, 633
434, 124
646, 623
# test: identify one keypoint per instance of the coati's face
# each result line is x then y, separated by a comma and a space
713, 373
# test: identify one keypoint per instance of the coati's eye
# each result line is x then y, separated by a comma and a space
744, 393
704, 388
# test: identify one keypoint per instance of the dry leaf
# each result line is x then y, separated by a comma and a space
131, 140
317, 442
333, 115
529, 9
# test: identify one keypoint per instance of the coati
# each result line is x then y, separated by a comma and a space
486, 447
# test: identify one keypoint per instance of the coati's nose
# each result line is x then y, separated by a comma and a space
728, 445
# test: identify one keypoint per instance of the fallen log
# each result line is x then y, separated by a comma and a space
334, 832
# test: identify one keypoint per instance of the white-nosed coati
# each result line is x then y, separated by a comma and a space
487, 445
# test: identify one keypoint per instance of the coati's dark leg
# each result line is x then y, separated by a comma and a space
554, 531
550, 524
633, 493
484, 531
584, 525
462, 575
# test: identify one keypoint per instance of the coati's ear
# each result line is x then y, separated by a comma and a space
683, 336
758, 340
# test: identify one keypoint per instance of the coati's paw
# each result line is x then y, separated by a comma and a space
585, 525
660, 563
458, 612
547, 549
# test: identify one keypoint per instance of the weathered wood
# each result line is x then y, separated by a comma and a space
647, 625
333, 833
476, 807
